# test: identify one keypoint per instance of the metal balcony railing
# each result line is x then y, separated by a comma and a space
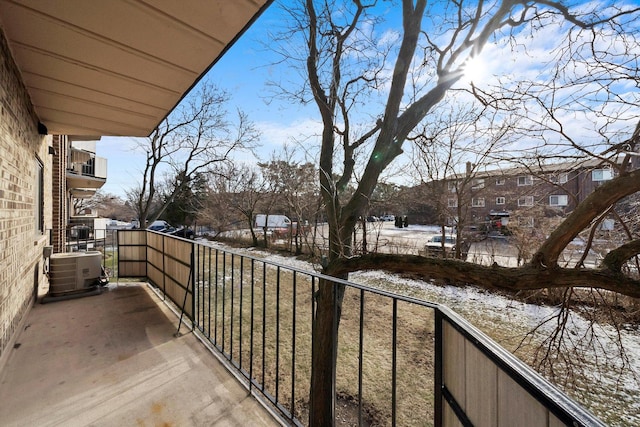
80, 237
400, 361
87, 164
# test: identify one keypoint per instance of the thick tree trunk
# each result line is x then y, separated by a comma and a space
322, 403
527, 277
328, 305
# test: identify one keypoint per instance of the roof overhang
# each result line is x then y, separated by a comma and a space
117, 67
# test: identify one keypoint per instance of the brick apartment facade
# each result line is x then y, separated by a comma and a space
25, 199
522, 197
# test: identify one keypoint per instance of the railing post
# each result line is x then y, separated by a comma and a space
192, 267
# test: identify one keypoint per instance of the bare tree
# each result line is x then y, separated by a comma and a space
196, 137
347, 68
106, 204
237, 193
295, 184
451, 152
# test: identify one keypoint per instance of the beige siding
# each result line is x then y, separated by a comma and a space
454, 363
517, 407
482, 388
485, 393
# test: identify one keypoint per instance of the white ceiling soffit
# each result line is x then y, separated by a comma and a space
117, 67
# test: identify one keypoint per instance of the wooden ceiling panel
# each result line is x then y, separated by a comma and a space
126, 63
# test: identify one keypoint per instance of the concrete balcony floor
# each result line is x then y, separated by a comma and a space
113, 360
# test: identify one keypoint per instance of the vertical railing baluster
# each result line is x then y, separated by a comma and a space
224, 299
233, 285
252, 324
192, 270
360, 355
313, 323
209, 282
215, 322
204, 283
264, 318
277, 332
293, 348
394, 363
240, 315
195, 249
164, 268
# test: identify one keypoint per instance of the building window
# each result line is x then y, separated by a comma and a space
525, 201
601, 175
478, 184
563, 178
477, 202
559, 178
500, 200
452, 186
38, 197
558, 200
500, 181
452, 203
525, 221
525, 180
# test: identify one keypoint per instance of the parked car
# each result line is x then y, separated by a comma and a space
435, 246
161, 226
185, 232
388, 218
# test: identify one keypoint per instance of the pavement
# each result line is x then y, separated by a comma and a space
113, 359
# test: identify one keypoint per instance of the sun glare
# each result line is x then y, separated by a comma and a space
475, 70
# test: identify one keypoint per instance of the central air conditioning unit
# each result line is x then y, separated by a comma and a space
74, 272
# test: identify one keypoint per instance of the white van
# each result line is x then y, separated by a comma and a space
272, 221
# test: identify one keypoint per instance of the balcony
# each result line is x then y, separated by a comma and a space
114, 359
86, 173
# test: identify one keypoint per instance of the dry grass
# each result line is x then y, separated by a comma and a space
273, 365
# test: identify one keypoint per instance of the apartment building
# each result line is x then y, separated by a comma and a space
522, 196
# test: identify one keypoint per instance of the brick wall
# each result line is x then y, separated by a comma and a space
59, 194
21, 244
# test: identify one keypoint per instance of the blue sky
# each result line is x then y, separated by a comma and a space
244, 70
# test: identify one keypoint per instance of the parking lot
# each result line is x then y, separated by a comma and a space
385, 237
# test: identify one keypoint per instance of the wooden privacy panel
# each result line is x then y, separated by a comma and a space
481, 387
132, 237
169, 268
178, 250
516, 406
132, 253
453, 363
165, 261
449, 418
486, 393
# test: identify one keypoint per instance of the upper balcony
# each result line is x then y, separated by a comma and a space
86, 172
